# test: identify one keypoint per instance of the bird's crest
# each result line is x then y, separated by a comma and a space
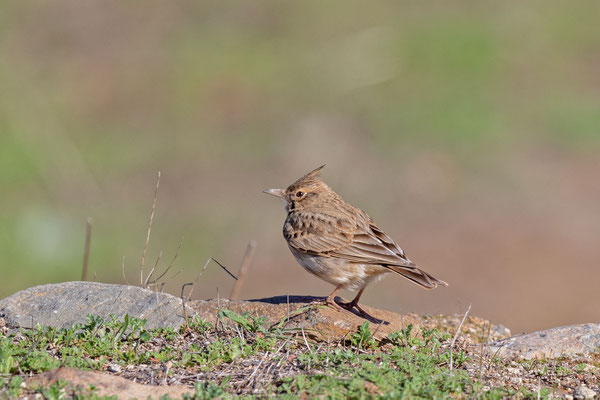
313, 176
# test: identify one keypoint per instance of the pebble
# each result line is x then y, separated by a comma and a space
116, 368
583, 392
591, 369
502, 330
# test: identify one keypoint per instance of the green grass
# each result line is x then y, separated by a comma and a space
227, 354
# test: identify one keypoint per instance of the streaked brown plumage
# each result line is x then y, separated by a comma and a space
340, 243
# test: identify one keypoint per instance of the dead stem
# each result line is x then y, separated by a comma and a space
187, 323
168, 267
224, 268
149, 230
153, 269
198, 277
237, 287
123, 270
456, 335
86, 251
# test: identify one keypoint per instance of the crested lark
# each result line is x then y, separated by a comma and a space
340, 243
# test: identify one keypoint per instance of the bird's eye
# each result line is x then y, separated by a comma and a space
299, 194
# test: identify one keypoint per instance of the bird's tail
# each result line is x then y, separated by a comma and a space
417, 275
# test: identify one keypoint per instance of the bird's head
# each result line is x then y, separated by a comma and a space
307, 192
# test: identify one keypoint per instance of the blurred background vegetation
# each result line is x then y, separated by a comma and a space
470, 131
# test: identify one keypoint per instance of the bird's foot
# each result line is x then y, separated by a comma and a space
329, 302
351, 305
346, 306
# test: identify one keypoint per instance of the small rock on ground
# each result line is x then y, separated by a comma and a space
584, 392
107, 385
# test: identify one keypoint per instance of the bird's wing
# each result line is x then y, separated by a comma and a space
343, 237
371, 245
356, 241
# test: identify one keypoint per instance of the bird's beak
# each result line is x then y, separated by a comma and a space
275, 192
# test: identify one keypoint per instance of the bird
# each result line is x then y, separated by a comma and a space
340, 243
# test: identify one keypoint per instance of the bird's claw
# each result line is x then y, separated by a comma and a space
341, 306
350, 305
329, 302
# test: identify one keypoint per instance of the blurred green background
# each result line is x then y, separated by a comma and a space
470, 131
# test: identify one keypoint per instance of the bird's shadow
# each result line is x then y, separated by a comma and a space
314, 299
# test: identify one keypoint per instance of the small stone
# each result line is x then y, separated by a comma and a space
514, 371
590, 369
583, 392
502, 330
116, 368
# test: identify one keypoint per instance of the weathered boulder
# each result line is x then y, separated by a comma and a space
63, 304
551, 343
327, 324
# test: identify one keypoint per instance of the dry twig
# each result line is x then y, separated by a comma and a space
483, 347
153, 269
306, 341
149, 230
86, 251
123, 270
224, 268
168, 267
456, 335
237, 287
198, 277
183, 304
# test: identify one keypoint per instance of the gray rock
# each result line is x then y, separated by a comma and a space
63, 304
501, 330
583, 392
551, 343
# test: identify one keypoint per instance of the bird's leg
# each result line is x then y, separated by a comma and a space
354, 303
330, 300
